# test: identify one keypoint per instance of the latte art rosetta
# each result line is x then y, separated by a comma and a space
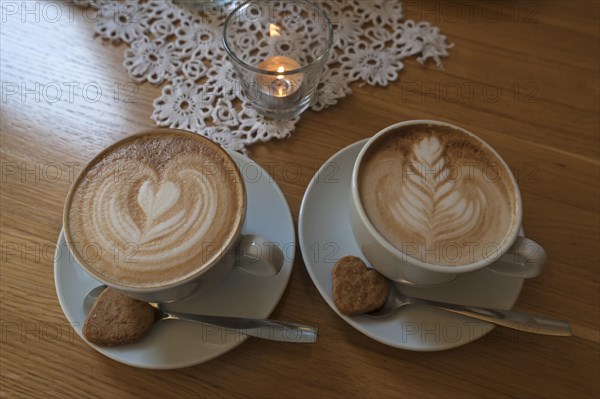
154, 219
429, 194
434, 208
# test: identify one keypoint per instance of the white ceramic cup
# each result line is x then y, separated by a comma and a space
517, 256
251, 253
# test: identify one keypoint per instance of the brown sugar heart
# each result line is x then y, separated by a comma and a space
117, 319
356, 288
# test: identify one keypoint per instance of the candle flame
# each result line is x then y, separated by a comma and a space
274, 30
280, 70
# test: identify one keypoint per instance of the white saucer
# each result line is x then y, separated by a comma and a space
175, 344
325, 236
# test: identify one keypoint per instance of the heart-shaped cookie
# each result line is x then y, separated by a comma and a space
356, 288
117, 319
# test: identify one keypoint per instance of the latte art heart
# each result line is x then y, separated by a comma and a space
154, 203
156, 210
169, 223
431, 194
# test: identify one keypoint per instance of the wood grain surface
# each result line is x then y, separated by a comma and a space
523, 75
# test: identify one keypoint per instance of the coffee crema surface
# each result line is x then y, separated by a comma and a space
437, 194
155, 208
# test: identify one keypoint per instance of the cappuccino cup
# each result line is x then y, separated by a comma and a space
158, 216
431, 202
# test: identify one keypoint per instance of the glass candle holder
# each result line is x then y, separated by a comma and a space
279, 50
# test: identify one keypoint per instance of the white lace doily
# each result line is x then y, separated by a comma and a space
180, 46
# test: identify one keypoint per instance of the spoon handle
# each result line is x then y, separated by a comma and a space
507, 318
259, 328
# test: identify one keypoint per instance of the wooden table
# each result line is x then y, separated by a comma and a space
523, 76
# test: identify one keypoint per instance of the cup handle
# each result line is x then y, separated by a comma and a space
526, 259
259, 256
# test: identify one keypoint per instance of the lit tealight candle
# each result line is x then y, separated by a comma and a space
279, 85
